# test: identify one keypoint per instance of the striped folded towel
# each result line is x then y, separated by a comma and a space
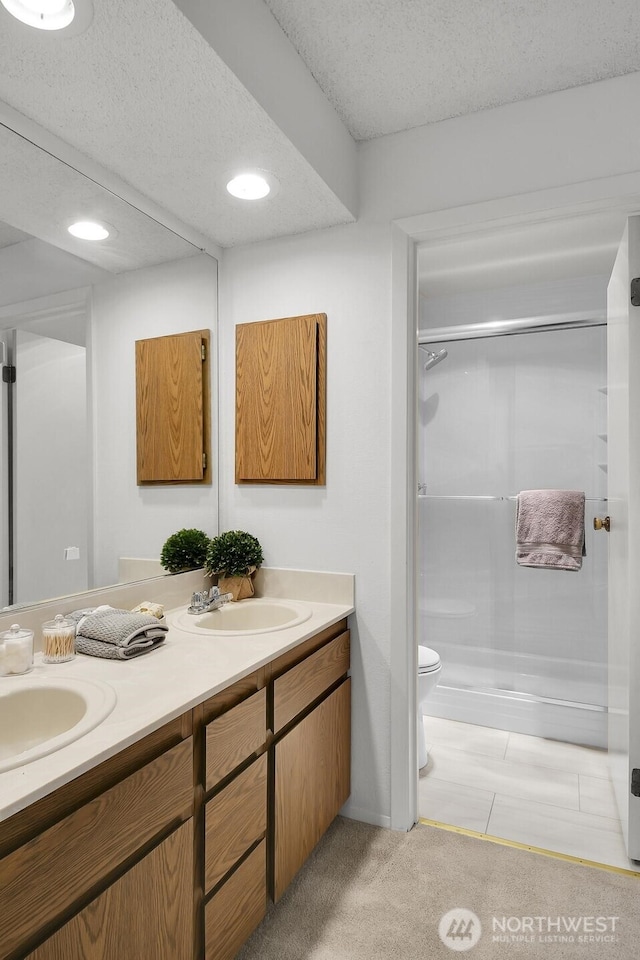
550, 529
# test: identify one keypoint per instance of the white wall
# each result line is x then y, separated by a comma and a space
586, 295
548, 142
563, 138
344, 526
166, 299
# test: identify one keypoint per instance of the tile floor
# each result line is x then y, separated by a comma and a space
553, 795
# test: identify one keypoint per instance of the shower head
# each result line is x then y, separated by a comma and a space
433, 358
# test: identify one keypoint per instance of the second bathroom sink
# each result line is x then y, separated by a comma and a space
256, 615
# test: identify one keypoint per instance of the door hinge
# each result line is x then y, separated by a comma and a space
9, 374
635, 783
204, 461
203, 348
635, 292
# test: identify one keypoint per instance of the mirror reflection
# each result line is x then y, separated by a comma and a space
71, 514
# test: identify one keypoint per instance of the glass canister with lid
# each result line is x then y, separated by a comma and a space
16, 650
58, 640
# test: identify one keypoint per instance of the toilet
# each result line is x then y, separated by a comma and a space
429, 670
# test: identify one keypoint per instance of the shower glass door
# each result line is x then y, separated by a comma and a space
522, 648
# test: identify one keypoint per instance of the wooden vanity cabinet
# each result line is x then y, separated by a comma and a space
311, 751
235, 816
100, 867
170, 848
146, 914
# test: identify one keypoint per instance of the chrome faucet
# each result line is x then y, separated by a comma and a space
208, 600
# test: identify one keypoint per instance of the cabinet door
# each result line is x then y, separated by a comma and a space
280, 400
146, 914
42, 881
312, 781
172, 408
233, 913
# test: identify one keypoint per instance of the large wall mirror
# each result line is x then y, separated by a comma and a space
72, 517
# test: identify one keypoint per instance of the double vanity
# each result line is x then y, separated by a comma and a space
214, 766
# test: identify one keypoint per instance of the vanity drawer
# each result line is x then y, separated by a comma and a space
234, 736
308, 680
234, 819
235, 911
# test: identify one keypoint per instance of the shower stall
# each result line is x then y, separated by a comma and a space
522, 649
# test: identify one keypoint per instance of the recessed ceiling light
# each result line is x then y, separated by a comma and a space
43, 14
88, 229
249, 186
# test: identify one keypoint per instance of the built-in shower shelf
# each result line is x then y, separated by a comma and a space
603, 389
603, 436
604, 467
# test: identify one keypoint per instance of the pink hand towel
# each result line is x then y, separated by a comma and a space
550, 529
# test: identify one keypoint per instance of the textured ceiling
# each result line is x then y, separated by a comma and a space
388, 65
41, 196
141, 92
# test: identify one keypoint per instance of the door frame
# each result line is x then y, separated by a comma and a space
587, 197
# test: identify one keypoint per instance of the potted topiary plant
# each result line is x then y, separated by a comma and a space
234, 556
185, 550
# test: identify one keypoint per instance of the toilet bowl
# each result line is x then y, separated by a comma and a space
429, 670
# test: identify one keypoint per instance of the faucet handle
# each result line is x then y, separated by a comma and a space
198, 601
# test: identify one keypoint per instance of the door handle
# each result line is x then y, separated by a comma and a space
602, 523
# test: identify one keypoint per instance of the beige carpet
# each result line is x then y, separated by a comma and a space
372, 894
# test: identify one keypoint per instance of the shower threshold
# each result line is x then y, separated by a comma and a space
526, 697
521, 712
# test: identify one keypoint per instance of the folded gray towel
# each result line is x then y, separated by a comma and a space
550, 529
111, 651
116, 634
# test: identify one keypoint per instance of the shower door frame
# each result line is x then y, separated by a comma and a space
587, 197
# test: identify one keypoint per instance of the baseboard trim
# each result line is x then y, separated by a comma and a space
365, 816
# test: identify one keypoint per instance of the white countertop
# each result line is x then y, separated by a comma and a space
152, 690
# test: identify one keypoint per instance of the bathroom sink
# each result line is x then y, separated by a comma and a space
39, 715
256, 615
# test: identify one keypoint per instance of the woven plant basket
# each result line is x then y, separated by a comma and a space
240, 587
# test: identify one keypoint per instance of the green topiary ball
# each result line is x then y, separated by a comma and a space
233, 554
185, 550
